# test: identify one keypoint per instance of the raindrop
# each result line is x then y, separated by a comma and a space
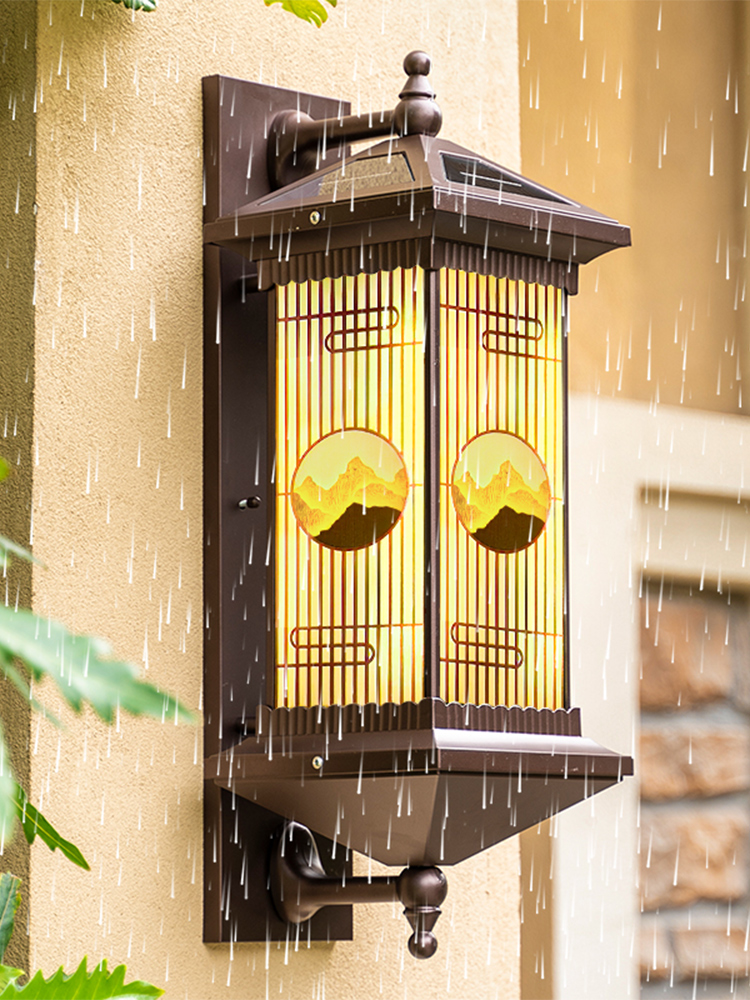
137, 382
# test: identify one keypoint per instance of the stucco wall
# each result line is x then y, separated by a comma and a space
640, 110
117, 490
17, 192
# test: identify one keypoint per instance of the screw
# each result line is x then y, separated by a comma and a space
317, 762
315, 217
249, 502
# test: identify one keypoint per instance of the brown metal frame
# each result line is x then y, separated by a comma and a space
432, 490
255, 753
300, 888
238, 464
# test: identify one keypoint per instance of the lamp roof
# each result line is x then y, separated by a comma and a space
417, 200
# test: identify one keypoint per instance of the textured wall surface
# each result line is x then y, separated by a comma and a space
640, 110
628, 619
694, 778
17, 188
117, 489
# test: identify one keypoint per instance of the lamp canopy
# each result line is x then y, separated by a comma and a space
386, 541
422, 201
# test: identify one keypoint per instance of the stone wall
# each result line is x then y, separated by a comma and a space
694, 774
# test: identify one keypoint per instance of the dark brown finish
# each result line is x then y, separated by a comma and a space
237, 904
414, 784
237, 580
417, 113
422, 890
430, 713
298, 145
270, 554
404, 199
428, 796
236, 118
432, 487
300, 886
566, 522
238, 590
238, 412
427, 252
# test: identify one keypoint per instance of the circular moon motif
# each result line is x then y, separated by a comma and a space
349, 489
501, 492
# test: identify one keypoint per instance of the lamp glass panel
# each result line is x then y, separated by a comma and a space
350, 490
501, 491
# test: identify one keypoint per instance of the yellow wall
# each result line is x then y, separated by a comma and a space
17, 192
117, 490
622, 104
621, 107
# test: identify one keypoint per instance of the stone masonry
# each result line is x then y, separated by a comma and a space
694, 772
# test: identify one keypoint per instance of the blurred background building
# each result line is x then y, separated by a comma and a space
641, 109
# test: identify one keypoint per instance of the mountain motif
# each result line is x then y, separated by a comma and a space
359, 526
509, 531
505, 515
358, 509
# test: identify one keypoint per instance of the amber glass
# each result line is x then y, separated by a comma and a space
501, 492
350, 516
350, 490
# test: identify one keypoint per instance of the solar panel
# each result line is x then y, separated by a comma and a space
473, 172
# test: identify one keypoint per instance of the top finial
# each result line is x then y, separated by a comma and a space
417, 63
417, 113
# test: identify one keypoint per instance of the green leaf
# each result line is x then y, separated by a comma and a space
80, 668
98, 985
9, 975
6, 546
10, 897
138, 4
308, 10
35, 824
7, 793
4, 469
20, 684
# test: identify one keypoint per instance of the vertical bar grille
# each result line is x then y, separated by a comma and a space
350, 496
501, 491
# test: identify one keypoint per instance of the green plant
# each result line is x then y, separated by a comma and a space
33, 648
99, 984
307, 10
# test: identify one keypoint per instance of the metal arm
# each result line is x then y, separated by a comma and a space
300, 887
298, 145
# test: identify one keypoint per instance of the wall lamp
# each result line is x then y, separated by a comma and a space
386, 606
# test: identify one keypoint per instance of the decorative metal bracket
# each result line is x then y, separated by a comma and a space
265, 765
298, 144
300, 887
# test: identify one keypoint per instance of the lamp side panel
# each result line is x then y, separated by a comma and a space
502, 492
350, 490
238, 467
565, 323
